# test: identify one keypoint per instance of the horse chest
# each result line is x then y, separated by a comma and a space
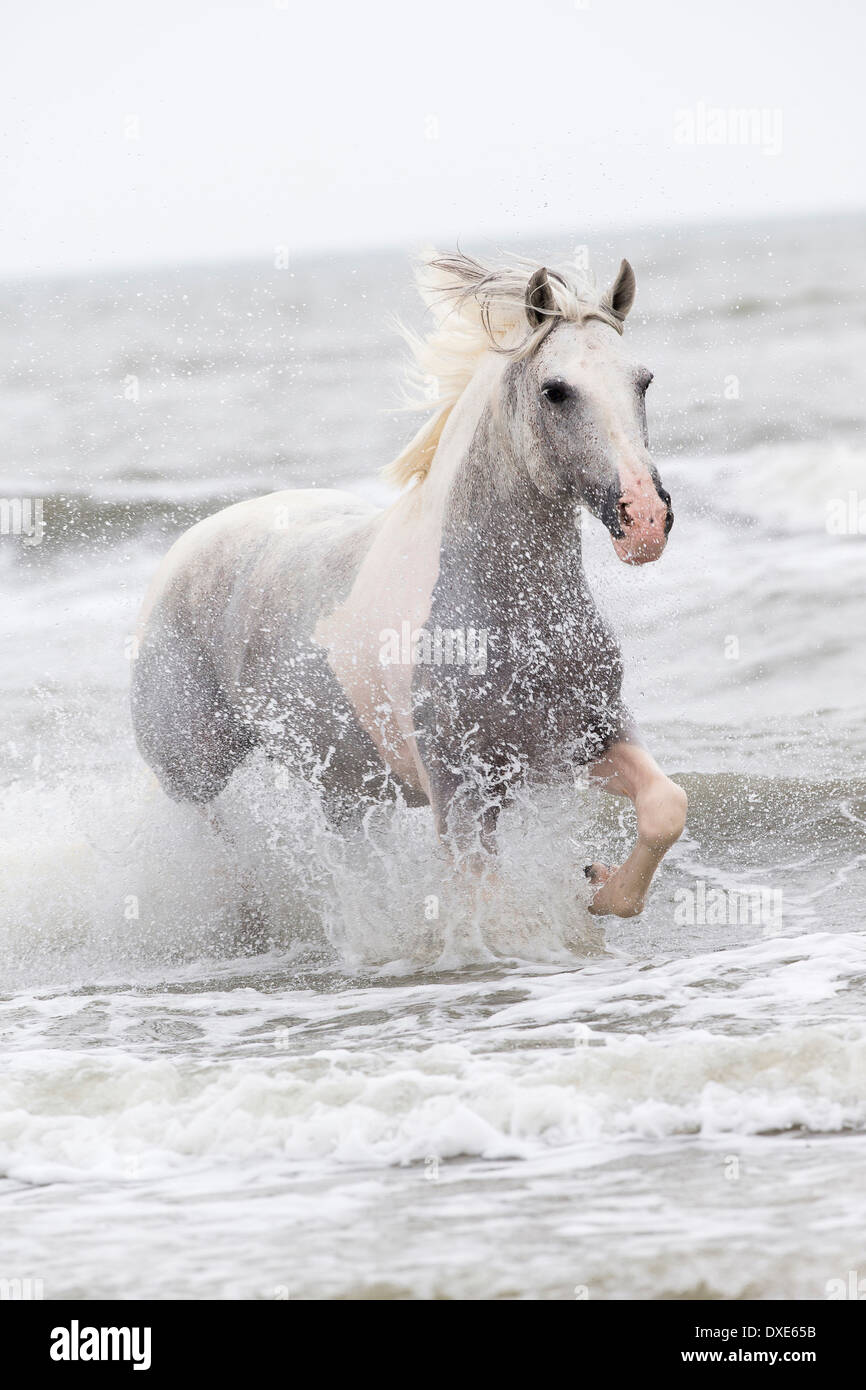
550, 690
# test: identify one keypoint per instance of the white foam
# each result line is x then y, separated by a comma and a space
396, 1073
65, 1115
109, 876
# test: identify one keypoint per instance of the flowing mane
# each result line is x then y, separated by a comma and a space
477, 308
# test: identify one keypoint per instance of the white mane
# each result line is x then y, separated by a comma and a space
476, 309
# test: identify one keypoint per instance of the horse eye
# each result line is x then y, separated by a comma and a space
556, 392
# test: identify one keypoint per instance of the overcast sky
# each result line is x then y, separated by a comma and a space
178, 130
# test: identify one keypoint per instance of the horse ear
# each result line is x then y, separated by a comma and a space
620, 296
540, 303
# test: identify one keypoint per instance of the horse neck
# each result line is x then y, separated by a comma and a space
497, 530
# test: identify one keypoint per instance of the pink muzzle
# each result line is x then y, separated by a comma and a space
645, 519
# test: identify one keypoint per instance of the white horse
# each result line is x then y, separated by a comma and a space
448, 647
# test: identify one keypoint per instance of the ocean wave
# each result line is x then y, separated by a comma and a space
799, 486
63, 1115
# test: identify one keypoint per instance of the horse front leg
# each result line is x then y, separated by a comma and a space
627, 769
466, 815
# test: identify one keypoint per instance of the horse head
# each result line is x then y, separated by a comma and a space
574, 402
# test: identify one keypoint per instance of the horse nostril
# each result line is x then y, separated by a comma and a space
669, 517
622, 513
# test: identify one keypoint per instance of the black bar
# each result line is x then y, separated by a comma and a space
187, 1338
